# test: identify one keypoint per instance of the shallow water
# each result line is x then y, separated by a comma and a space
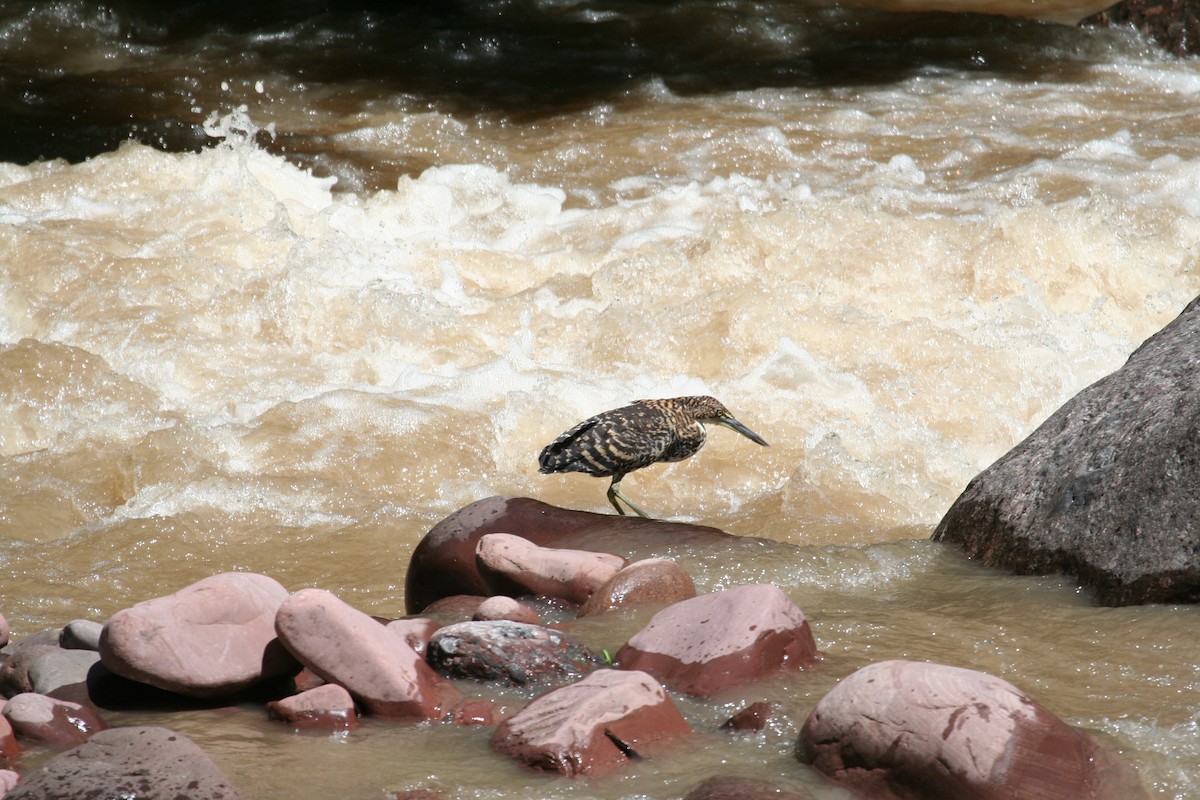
353, 270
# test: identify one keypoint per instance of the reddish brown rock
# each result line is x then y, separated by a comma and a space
515, 566
147, 763
753, 717
474, 711
52, 723
904, 729
592, 726
736, 787
501, 607
651, 581
345, 646
9, 749
414, 631
327, 706
443, 563
507, 651
215, 637
709, 643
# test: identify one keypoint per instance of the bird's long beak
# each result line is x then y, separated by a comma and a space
733, 424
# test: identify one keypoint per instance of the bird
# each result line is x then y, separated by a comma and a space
642, 433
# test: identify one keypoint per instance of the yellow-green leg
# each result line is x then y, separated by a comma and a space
614, 491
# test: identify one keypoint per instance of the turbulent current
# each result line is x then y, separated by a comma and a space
282, 287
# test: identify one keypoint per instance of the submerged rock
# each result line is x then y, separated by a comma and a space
592, 726
443, 563
712, 642
651, 581
513, 652
326, 706
213, 638
148, 763
512, 565
347, 647
905, 729
1105, 490
736, 787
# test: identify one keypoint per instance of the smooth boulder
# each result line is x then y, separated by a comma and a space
148, 763
51, 723
213, 638
326, 706
1106, 489
515, 566
651, 581
592, 726
906, 730
709, 643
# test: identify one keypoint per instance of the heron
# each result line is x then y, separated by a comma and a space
642, 433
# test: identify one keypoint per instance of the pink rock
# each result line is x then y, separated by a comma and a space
709, 643
902, 729
414, 631
10, 751
3, 631
8, 780
455, 608
345, 646
651, 581
443, 563
474, 711
215, 637
517, 566
592, 726
53, 723
326, 706
506, 608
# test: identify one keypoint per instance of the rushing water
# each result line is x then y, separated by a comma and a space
282, 288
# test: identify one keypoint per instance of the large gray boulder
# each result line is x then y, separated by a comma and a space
1108, 488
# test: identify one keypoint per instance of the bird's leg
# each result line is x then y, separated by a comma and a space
614, 491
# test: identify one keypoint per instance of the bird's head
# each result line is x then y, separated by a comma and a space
710, 410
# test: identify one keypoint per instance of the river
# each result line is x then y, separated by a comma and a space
283, 286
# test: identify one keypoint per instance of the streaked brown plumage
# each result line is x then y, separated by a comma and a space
645, 432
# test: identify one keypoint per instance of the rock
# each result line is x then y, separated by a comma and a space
443, 563
4, 632
49, 722
20, 657
513, 652
593, 726
345, 646
709, 643
474, 711
213, 638
651, 581
8, 779
327, 706
81, 634
735, 787
56, 668
514, 566
143, 762
1173, 24
414, 631
455, 608
753, 717
1105, 490
10, 751
904, 729
501, 607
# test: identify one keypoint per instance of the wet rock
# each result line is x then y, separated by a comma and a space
903, 729
81, 634
1173, 24
455, 608
736, 787
4, 631
501, 607
753, 717
709, 643
474, 711
144, 762
327, 706
52, 723
213, 638
593, 726
513, 652
9, 749
53, 669
514, 566
651, 581
8, 779
345, 646
1105, 490
443, 564
414, 631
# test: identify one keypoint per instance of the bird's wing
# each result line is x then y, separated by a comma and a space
558, 456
